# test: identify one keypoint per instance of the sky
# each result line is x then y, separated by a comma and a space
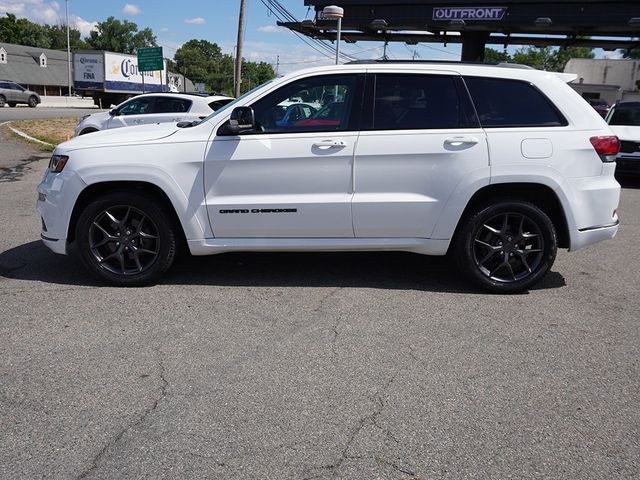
175, 22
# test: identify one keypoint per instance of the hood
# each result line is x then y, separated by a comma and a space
97, 117
626, 132
121, 136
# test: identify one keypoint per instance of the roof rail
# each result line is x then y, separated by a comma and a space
447, 62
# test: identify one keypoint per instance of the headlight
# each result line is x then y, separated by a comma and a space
57, 163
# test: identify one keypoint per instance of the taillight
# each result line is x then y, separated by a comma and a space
607, 146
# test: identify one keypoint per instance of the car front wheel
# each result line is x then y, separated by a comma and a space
506, 247
33, 102
2, 101
125, 239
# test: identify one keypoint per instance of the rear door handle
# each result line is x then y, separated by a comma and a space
330, 144
457, 141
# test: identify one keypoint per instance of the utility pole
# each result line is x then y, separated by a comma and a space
238, 69
277, 64
68, 48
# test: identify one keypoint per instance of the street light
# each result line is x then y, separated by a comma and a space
330, 13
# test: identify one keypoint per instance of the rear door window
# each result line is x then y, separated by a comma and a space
171, 105
512, 103
410, 102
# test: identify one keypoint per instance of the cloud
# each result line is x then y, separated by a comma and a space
84, 26
270, 29
43, 11
130, 9
164, 29
195, 21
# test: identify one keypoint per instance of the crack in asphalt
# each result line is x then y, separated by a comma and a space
397, 468
164, 384
369, 419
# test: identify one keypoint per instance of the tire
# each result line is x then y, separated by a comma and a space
507, 246
126, 239
2, 101
33, 102
12, 104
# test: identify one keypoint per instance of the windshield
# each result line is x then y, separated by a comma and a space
232, 104
625, 115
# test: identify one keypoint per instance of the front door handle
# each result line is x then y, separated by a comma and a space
330, 144
458, 141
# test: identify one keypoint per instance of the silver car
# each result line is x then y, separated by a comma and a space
11, 94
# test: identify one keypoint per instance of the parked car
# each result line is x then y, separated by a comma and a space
624, 120
295, 113
152, 108
12, 94
499, 166
599, 105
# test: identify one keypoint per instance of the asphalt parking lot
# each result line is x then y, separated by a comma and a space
354, 366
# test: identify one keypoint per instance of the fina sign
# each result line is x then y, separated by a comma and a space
467, 13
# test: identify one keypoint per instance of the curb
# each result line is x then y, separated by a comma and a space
24, 135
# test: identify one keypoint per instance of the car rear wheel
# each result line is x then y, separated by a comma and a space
506, 247
2, 100
126, 239
33, 101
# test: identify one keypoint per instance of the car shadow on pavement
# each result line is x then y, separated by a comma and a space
393, 270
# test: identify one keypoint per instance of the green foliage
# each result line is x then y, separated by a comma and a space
121, 37
203, 61
491, 55
544, 58
634, 53
23, 32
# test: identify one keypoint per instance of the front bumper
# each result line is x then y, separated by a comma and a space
57, 194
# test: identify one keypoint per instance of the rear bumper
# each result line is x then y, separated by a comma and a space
589, 236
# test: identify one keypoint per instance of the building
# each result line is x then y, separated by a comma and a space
45, 71
42, 70
610, 79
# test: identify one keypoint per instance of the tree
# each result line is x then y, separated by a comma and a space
23, 32
203, 61
549, 58
121, 37
491, 55
198, 59
631, 53
57, 35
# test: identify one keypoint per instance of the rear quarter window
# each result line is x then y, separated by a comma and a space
512, 103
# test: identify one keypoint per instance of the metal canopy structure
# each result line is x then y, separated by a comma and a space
609, 24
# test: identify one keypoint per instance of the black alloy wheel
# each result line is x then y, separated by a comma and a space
125, 239
507, 247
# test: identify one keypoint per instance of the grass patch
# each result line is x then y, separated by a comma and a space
10, 134
51, 130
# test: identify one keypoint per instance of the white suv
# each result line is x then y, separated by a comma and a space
499, 166
152, 108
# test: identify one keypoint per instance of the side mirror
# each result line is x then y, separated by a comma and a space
242, 120
113, 112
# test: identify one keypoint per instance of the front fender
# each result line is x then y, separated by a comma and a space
181, 180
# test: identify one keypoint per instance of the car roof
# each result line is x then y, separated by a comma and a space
211, 98
500, 70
